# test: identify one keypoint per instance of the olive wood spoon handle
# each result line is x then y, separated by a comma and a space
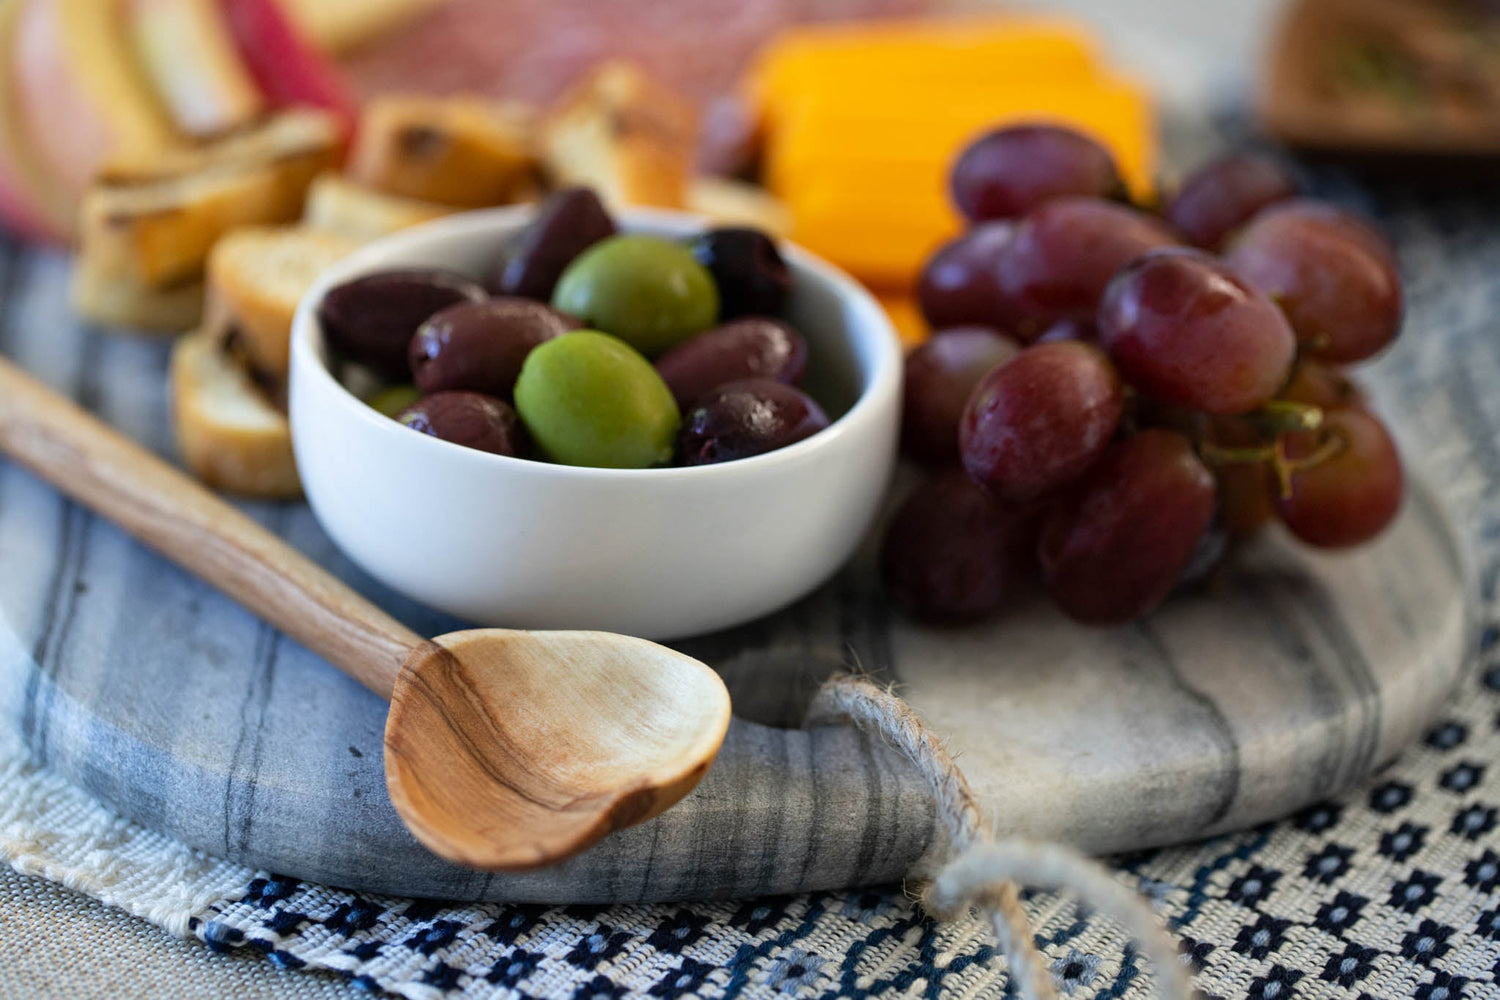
112, 475
504, 750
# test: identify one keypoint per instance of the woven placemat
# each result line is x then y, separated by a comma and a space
1393, 891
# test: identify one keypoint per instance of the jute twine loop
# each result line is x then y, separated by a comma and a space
984, 873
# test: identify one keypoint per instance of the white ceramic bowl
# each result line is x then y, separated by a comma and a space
659, 553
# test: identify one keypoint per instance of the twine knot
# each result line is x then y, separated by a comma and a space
981, 872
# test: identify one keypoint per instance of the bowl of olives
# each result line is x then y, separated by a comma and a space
548, 417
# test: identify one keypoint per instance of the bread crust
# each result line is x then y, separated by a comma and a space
230, 434
460, 151
153, 221
339, 205
623, 134
257, 275
118, 302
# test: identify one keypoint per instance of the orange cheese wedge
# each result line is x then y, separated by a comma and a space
862, 123
894, 56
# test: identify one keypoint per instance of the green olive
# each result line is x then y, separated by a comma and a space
591, 399
647, 291
394, 399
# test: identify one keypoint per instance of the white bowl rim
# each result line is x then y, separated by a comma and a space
883, 380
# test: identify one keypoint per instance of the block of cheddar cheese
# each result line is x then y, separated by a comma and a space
862, 123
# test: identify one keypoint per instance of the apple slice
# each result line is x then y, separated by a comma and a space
31, 205
288, 69
80, 92
186, 50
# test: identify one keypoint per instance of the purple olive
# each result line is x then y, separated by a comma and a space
471, 419
480, 346
752, 277
753, 347
568, 223
747, 418
372, 319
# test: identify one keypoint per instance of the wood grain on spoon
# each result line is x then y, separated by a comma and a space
504, 750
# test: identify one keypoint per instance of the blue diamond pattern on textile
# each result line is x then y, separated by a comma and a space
1488, 924
1414, 892
1351, 965
285, 921
796, 969
1319, 818
1483, 873
1443, 987
1402, 842
514, 967
1446, 735
1251, 888
600, 988
350, 917
603, 945
265, 891
443, 977
685, 981
758, 914
1076, 970
1262, 937
1474, 821
1427, 943
1196, 952
510, 927
1328, 864
1340, 913
1462, 777
1390, 796
220, 936
683, 929
438, 934
1277, 984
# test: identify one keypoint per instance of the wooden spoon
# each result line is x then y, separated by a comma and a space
504, 750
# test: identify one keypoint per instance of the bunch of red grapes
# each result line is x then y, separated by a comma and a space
1114, 396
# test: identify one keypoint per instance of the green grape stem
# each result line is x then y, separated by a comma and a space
1274, 421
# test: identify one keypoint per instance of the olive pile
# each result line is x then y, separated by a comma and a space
552, 360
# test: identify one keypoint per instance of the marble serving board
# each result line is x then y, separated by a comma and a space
1293, 676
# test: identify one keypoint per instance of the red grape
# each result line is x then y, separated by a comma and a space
1114, 548
940, 375
951, 555
1246, 501
1330, 273
1323, 386
1070, 329
960, 286
1040, 420
1064, 254
1351, 496
1184, 328
1223, 195
1008, 172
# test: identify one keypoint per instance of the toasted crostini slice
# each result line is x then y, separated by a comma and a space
258, 274
154, 220
624, 135
461, 151
231, 429
340, 205
116, 301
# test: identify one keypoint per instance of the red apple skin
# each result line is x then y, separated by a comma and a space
29, 207
288, 69
48, 95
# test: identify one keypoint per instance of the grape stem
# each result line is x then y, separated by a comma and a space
1275, 420
1282, 415
1332, 444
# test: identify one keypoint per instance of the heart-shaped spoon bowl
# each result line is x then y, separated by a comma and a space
566, 736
